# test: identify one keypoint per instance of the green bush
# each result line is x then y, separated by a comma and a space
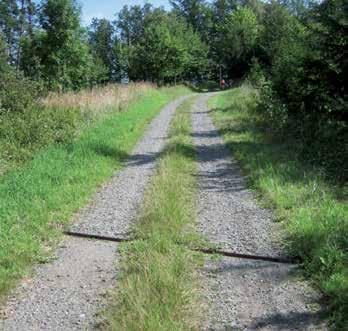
256, 75
274, 112
23, 133
320, 138
17, 93
24, 125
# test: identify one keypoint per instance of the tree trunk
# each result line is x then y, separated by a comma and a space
21, 31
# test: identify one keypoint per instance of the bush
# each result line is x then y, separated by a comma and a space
274, 112
321, 139
17, 93
305, 94
256, 76
23, 133
24, 125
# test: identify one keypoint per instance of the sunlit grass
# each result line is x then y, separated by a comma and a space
61, 118
158, 288
313, 211
98, 100
37, 199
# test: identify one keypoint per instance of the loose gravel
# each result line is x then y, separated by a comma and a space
67, 293
243, 294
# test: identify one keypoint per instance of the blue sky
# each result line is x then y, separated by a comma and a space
108, 8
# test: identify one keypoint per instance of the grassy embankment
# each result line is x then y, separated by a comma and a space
157, 289
313, 211
40, 195
59, 118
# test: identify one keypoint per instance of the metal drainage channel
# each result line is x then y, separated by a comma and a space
210, 251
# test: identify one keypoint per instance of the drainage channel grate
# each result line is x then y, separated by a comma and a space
210, 251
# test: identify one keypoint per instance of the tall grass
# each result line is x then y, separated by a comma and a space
38, 198
157, 289
314, 211
99, 100
60, 118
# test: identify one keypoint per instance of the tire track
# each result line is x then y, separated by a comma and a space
67, 293
243, 295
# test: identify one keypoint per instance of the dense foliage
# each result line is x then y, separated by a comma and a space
299, 46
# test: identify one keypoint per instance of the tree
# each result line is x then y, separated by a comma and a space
64, 54
9, 27
130, 23
298, 7
327, 68
102, 40
154, 51
189, 56
167, 51
3, 55
237, 36
221, 8
16, 24
27, 11
195, 13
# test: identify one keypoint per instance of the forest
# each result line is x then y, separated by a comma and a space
285, 60
293, 51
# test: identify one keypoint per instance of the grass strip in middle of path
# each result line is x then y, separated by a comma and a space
157, 289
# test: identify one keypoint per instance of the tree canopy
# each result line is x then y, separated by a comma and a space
298, 45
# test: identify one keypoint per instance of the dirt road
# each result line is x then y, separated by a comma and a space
242, 294
67, 293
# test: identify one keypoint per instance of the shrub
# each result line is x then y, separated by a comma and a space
17, 93
274, 112
24, 125
256, 75
23, 133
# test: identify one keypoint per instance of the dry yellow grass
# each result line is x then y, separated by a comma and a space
96, 101
61, 117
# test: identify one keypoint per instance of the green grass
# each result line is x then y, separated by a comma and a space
313, 211
205, 86
38, 199
157, 289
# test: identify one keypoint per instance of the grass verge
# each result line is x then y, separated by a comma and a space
40, 197
313, 211
157, 289
60, 118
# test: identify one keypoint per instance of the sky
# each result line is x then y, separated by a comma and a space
108, 8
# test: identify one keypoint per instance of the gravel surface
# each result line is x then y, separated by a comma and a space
67, 293
243, 294
116, 204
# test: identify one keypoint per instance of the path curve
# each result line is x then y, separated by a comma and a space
243, 295
67, 293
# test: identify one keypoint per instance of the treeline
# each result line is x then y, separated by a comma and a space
46, 43
293, 51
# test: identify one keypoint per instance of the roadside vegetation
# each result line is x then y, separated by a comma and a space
39, 197
58, 118
62, 132
312, 207
293, 51
158, 285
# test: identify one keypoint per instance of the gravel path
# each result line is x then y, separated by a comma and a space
67, 293
243, 294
